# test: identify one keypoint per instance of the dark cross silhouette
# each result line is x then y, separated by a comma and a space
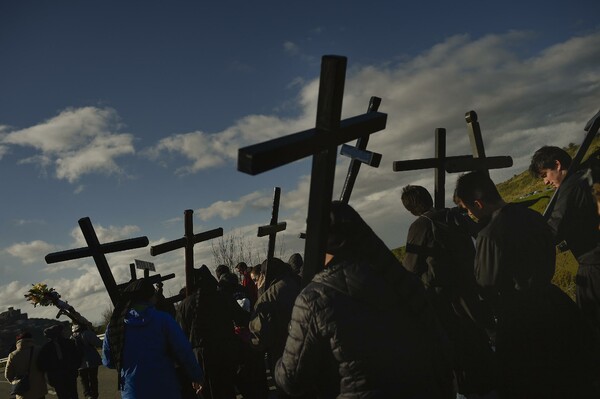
592, 129
274, 227
187, 241
443, 164
359, 155
97, 251
321, 142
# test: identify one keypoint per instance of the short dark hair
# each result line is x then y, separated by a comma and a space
416, 199
242, 265
546, 157
476, 186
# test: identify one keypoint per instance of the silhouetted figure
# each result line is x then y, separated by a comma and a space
221, 270
23, 361
60, 359
575, 220
441, 252
207, 317
144, 345
296, 263
363, 327
273, 310
542, 341
88, 343
247, 282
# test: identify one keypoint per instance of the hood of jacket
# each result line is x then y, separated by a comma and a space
139, 315
274, 270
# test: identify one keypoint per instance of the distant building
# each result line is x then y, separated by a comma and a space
12, 322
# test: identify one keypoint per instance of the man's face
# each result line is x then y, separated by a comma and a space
475, 210
553, 177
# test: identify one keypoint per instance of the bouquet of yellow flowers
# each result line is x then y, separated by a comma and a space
40, 294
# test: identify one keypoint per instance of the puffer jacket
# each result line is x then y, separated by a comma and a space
17, 365
354, 334
273, 310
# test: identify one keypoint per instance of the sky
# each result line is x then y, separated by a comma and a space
129, 113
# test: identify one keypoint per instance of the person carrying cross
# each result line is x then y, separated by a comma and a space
440, 251
145, 345
363, 326
574, 219
542, 342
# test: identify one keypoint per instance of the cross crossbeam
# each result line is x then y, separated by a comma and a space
97, 251
321, 142
188, 241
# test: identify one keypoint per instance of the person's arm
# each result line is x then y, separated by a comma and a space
298, 369
9, 369
417, 249
261, 322
488, 266
106, 357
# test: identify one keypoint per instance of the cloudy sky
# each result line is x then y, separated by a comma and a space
132, 112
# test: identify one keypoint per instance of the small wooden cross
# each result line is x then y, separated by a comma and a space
187, 241
443, 164
274, 227
321, 142
97, 251
359, 154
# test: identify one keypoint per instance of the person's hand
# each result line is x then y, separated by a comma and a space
197, 388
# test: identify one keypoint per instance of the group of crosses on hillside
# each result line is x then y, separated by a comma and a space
481, 355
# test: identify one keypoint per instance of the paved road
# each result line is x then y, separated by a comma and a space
107, 381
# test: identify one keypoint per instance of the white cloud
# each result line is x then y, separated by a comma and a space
30, 252
78, 141
105, 234
228, 209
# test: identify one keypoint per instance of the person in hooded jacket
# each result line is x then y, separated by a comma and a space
23, 361
273, 310
207, 317
145, 344
60, 359
363, 328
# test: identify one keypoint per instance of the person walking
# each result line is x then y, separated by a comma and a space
23, 362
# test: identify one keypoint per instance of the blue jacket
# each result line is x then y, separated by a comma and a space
154, 344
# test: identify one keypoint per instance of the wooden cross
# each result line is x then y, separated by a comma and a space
321, 142
274, 227
97, 251
359, 155
443, 164
187, 241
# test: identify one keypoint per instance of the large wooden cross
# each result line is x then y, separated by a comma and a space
321, 142
443, 164
97, 251
187, 241
359, 155
274, 226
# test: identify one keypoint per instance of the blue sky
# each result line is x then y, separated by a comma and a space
131, 112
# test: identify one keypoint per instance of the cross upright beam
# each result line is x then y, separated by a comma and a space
359, 155
443, 164
274, 226
187, 241
321, 142
97, 251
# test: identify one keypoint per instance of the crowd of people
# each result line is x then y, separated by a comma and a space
470, 312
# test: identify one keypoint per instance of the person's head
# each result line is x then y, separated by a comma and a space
54, 332
141, 290
241, 267
221, 270
23, 335
550, 164
416, 199
255, 273
477, 193
296, 263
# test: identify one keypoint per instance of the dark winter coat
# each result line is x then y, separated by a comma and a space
272, 313
353, 336
88, 343
575, 219
60, 359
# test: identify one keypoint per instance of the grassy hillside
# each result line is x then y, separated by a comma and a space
523, 187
